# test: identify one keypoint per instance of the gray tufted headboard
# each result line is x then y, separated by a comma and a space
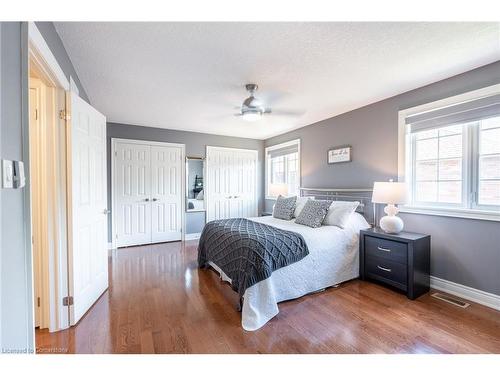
363, 196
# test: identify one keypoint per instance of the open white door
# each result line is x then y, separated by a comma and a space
88, 226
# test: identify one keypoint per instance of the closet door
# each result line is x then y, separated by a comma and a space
243, 184
132, 193
231, 183
218, 187
166, 193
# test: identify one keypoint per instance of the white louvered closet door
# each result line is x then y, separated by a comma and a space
231, 183
147, 192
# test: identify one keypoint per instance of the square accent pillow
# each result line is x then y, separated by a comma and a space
339, 213
299, 205
313, 213
284, 208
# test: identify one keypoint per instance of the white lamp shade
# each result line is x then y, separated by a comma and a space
390, 193
276, 190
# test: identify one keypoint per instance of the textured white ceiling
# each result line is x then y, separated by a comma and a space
190, 76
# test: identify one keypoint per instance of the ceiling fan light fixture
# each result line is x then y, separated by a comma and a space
251, 116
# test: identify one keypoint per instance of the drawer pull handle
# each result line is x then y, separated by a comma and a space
384, 269
384, 249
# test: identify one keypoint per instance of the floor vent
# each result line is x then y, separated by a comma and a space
450, 299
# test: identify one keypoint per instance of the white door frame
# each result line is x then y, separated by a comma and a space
207, 186
114, 142
40, 55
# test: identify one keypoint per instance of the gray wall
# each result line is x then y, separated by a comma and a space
16, 314
464, 251
16, 306
195, 146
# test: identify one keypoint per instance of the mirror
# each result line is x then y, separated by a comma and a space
195, 195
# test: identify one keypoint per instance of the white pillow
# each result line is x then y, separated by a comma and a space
299, 205
339, 213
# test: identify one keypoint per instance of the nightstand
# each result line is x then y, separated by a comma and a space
399, 260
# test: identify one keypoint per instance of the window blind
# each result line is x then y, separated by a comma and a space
283, 151
459, 113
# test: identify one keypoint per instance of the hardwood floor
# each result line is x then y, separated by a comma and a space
160, 302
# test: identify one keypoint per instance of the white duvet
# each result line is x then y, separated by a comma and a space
333, 258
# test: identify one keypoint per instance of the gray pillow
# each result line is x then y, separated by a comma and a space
284, 208
313, 213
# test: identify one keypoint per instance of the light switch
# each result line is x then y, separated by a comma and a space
19, 178
7, 174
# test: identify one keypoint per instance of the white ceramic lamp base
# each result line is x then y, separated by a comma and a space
391, 223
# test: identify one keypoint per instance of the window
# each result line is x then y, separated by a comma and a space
283, 169
452, 155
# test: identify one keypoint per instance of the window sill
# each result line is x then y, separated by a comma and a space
450, 212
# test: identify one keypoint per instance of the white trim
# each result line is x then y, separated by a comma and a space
192, 236
41, 53
466, 292
182, 146
404, 157
450, 212
73, 87
110, 246
232, 149
266, 167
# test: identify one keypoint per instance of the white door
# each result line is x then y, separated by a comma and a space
132, 192
231, 183
218, 186
243, 184
147, 192
166, 193
88, 253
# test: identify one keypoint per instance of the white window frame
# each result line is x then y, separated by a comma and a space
405, 158
268, 160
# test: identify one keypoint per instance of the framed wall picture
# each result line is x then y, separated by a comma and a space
339, 154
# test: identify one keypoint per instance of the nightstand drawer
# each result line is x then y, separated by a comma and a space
386, 249
391, 272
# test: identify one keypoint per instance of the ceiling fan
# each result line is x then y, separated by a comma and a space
252, 108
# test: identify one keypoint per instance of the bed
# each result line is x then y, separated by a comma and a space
333, 258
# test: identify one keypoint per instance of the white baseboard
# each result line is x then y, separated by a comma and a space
466, 292
110, 246
191, 236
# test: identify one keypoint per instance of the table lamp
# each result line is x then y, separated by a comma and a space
390, 193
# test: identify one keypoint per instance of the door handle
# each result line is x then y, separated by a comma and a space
236, 196
146, 199
106, 211
155, 199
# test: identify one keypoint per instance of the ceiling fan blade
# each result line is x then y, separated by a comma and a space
296, 113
